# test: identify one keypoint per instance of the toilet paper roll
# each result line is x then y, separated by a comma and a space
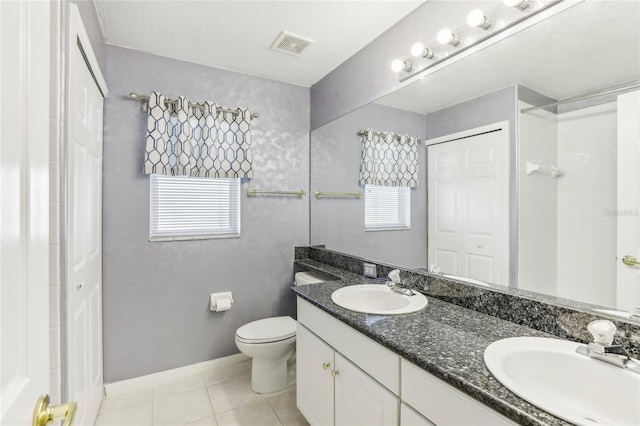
223, 305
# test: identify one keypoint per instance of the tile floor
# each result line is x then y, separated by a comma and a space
221, 396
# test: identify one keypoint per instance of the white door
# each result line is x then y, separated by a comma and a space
24, 208
360, 400
84, 244
628, 218
314, 363
468, 210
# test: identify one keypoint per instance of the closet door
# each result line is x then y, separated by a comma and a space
84, 226
468, 209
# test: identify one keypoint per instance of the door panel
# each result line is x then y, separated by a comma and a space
84, 286
360, 400
468, 211
315, 384
628, 218
24, 208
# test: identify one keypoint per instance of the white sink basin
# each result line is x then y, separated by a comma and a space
549, 374
377, 299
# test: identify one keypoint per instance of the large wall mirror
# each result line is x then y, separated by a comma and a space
543, 200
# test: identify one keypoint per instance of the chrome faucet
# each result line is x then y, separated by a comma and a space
398, 286
602, 348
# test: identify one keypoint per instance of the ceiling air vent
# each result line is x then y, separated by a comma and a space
290, 43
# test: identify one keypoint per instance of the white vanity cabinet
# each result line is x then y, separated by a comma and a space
441, 404
331, 389
346, 378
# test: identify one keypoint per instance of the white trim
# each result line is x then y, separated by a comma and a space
77, 31
501, 125
155, 379
506, 210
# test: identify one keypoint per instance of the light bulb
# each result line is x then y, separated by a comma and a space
400, 65
419, 51
445, 36
476, 18
518, 4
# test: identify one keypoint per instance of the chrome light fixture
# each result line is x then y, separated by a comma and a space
518, 4
446, 36
419, 51
476, 18
400, 65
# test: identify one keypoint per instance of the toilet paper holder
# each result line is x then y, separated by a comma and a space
219, 302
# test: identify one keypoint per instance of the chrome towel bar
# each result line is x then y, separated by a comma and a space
253, 192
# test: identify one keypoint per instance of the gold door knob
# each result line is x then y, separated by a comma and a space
325, 365
45, 413
630, 260
334, 373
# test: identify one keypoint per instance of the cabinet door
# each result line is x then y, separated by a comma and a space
409, 417
360, 400
315, 361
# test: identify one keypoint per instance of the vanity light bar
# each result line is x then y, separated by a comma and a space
479, 27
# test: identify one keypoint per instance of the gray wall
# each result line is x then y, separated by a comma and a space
155, 305
335, 164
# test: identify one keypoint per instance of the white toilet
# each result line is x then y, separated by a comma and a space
271, 342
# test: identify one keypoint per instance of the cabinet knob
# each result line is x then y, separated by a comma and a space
325, 365
334, 373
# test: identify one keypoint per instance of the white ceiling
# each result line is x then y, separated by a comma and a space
237, 35
591, 46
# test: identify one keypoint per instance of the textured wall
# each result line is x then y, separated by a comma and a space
335, 164
156, 313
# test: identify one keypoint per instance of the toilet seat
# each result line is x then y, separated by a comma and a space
267, 330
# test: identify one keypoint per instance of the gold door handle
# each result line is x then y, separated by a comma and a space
325, 365
334, 373
630, 260
45, 413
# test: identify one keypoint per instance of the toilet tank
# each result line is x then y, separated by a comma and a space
304, 278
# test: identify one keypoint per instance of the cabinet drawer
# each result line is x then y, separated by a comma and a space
441, 403
378, 361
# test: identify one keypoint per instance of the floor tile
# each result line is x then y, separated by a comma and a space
224, 373
179, 386
118, 402
139, 415
234, 393
257, 414
207, 421
181, 408
284, 404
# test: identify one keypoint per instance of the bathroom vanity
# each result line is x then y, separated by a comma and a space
423, 368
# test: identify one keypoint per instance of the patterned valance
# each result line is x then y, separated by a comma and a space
389, 159
205, 141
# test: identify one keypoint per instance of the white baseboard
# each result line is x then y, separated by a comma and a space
161, 377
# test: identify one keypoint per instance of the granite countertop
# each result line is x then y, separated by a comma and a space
444, 339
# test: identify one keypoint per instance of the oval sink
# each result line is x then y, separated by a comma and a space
377, 299
549, 374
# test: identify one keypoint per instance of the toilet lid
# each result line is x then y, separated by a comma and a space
268, 330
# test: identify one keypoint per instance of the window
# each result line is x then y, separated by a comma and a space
387, 207
186, 208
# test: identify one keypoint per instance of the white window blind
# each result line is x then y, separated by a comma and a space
387, 207
193, 208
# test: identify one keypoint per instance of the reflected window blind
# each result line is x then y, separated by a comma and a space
387, 207
193, 208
